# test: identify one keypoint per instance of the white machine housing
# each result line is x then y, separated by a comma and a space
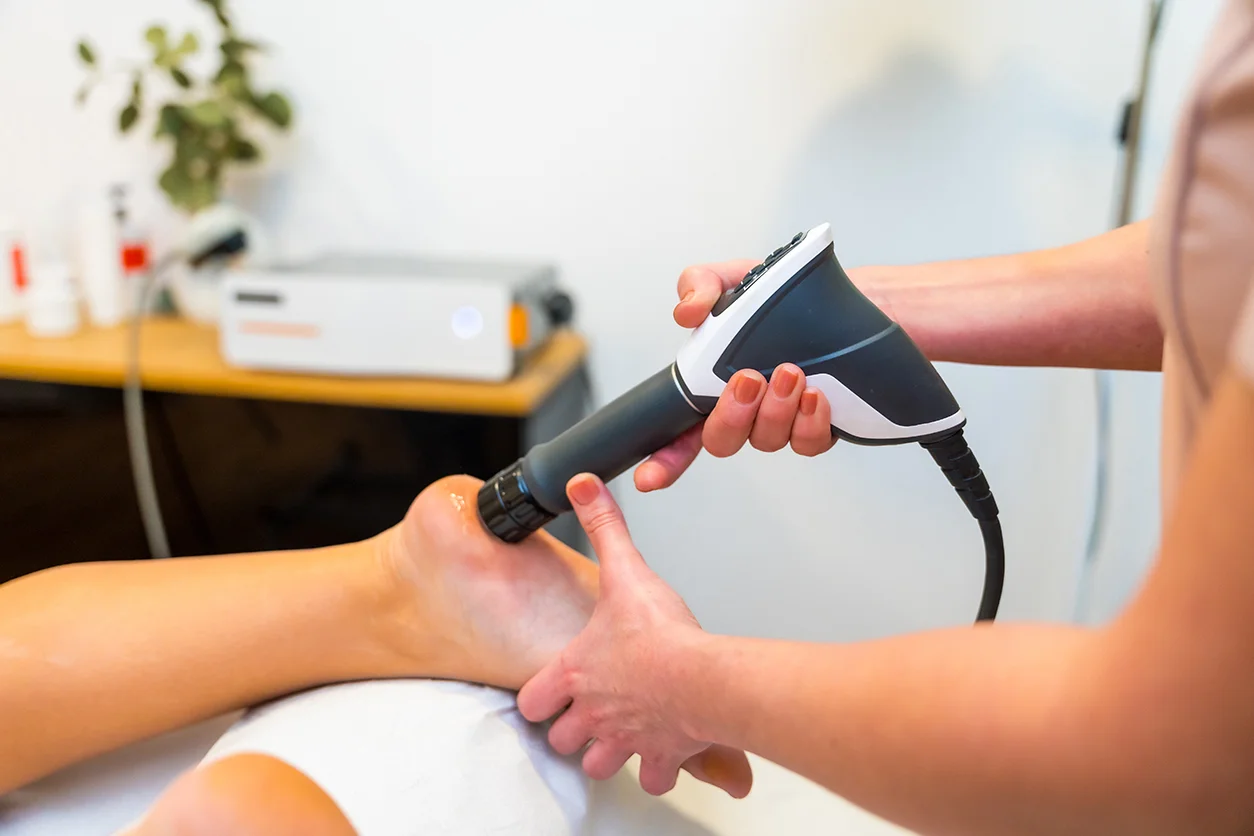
386, 316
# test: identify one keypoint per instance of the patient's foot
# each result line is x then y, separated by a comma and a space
491, 612
244, 795
484, 610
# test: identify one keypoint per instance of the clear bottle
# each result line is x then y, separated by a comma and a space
134, 251
51, 303
99, 265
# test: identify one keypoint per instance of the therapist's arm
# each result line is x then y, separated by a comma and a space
1086, 304
1143, 727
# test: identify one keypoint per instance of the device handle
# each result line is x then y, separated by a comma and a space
821, 322
637, 423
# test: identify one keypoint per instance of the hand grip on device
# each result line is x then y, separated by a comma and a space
798, 306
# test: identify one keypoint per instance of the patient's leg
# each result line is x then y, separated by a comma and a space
483, 611
244, 795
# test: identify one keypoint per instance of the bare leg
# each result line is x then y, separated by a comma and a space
94, 656
244, 795
483, 611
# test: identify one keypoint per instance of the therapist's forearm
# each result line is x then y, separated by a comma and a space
1085, 305
93, 656
964, 732
953, 732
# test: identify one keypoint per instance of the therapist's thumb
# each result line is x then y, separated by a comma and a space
603, 522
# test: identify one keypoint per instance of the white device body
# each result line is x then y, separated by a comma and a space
366, 316
698, 357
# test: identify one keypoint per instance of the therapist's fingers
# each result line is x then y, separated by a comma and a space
701, 285
658, 777
602, 760
729, 424
545, 694
570, 732
722, 767
603, 522
775, 417
666, 465
812, 429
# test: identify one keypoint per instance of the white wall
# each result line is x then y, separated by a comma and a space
627, 140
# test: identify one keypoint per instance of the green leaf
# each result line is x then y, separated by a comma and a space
128, 117
156, 36
85, 54
188, 45
190, 144
236, 48
275, 108
176, 183
242, 150
180, 78
202, 194
170, 120
137, 90
219, 13
232, 78
208, 113
188, 191
83, 92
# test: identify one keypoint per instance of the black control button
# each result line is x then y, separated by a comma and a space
732, 294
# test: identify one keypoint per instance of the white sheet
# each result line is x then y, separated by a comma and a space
100, 796
407, 757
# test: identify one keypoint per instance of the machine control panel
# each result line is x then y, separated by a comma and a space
732, 294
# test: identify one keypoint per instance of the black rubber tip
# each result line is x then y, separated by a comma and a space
507, 509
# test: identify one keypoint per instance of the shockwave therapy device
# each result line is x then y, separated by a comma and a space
797, 306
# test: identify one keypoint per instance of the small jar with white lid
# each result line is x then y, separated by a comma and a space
51, 301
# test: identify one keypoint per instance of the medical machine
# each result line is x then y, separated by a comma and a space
797, 306
379, 315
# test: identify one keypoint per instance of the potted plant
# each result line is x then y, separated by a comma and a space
205, 122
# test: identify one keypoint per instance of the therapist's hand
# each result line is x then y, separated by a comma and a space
615, 680
768, 416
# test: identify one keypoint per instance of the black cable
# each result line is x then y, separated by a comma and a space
962, 469
994, 569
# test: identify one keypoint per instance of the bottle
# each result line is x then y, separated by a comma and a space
12, 273
135, 254
99, 262
51, 303
134, 243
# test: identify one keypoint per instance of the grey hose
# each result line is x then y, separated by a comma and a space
1103, 380
133, 414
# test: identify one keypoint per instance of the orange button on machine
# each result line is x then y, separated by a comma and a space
519, 332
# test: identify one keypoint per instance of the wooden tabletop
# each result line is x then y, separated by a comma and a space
179, 356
